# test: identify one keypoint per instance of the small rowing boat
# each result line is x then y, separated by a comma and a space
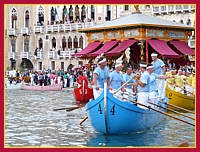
56, 87
83, 93
179, 99
107, 114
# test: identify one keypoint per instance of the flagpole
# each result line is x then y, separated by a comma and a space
147, 51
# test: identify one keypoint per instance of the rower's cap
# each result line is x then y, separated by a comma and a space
118, 64
101, 60
150, 66
154, 54
143, 64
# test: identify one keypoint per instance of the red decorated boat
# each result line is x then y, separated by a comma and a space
83, 93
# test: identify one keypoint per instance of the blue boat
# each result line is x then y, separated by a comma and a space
109, 115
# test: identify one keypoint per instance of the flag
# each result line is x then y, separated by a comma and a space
55, 13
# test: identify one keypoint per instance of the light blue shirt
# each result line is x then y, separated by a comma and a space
158, 66
145, 78
126, 78
103, 75
153, 84
116, 80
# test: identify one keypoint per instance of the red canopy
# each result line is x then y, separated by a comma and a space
182, 47
162, 48
105, 48
91, 47
121, 47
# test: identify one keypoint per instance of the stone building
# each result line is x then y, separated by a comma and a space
53, 30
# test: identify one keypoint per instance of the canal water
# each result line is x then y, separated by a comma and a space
31, 121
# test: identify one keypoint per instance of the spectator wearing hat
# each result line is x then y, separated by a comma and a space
100, 76
159, 68
143, 85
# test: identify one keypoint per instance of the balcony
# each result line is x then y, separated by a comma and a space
52, 55
25, 55
191, 43
170, 8
40, 55
12, 55
65, 54
12, 32
39, 29
25, 31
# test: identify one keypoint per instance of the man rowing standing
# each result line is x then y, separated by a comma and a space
117, 80
143, 85
100, 76
159, 68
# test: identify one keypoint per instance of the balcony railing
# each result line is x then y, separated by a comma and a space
25, 55
63, 27
178, 8
163, 9
40, 55
25, 31
12, 32
39, 29
65, 54
12, 55
52, 55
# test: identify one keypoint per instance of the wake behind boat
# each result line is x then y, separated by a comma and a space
56, 87
110, 115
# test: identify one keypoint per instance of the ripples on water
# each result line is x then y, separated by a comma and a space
31, 121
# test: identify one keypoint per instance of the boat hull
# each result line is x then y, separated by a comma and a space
179, 99
83, 94
110, 115
56, 87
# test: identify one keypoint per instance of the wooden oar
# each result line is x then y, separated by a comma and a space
63, 95
176, 107
83, 120
123, 85
164, 113
73, 108
69, 108
171, 110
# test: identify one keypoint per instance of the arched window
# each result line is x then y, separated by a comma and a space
75, 42
41, 15
13, 45
54, 42
70, 42
27, 18
26, 44
40, 44
13, 18
81, 42
64, 44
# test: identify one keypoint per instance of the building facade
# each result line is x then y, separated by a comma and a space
45, 36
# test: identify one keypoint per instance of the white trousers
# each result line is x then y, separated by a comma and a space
153, 99
143, 98
52, 81
65, 83
59, 79
161, 87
